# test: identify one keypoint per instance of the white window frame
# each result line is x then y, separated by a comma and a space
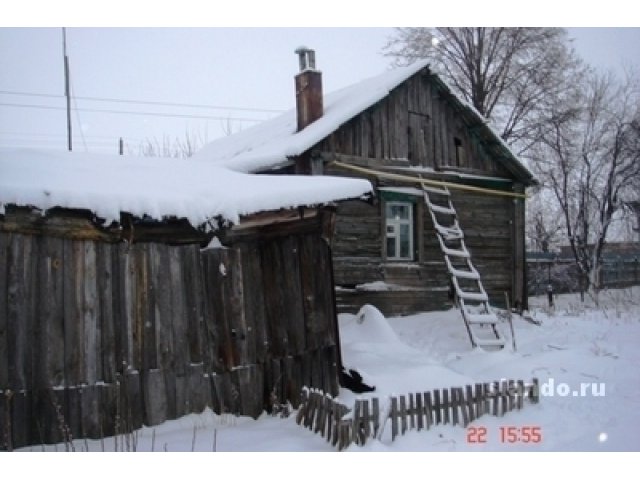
395, 223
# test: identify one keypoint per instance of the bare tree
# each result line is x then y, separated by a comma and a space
510, 75
590, 160
176, 148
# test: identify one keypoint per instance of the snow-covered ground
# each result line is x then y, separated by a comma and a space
576, 344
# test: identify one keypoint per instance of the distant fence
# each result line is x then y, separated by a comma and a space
618, 271
341, 426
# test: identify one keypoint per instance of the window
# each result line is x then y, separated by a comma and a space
399, 230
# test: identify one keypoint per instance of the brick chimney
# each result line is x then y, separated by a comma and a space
308, 89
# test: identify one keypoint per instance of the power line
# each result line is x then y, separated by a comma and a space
124, 112
144, 102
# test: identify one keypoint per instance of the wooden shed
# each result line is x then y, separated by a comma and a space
133, 291
398, 130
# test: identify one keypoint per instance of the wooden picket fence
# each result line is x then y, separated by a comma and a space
342, 426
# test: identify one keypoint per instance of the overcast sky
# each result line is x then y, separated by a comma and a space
243, 68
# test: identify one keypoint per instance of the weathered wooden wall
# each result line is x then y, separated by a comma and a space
418, 125
423, 284
100, 338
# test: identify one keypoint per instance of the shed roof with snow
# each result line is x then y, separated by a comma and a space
156, 187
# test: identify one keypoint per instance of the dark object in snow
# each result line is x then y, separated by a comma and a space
353, 381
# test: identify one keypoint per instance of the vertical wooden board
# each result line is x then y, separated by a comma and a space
21, 419
198, 388
18, 343
307, 281
428, 409
50, 333
403, 413
237, 317
251, 383
181, 396
326, 293
4, 315
74, 353
470, 404
254, 303
124, 264
145, 324
437, 407
292, 294
271, 262
179, 320
107, 290
213, 327
276, 394
168, 306
446, 405
394, 417
90, 314
91, 411
108, 408
133, 409
194, 302
317, 366
72, 412
154, 393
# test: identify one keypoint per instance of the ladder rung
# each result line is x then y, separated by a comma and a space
475, 296
489, 342
482, 319
449, 233
436, 190
472, 275
455, 253
439, 209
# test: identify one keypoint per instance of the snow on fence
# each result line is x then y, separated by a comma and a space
415, 411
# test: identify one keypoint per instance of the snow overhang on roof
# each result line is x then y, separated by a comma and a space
274, 142
157, 187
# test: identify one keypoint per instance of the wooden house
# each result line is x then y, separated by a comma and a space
396, 130
133, 291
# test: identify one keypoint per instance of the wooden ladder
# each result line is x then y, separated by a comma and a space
471, 298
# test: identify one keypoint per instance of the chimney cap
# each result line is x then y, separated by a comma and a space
307, 58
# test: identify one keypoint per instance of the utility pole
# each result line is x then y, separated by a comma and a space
67, 91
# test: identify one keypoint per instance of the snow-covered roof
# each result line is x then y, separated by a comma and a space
157, 187
273, 142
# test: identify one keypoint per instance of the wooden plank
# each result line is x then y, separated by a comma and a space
198, 388
18, 306
4, 315
455, 405
91, 410
107, 292
479, 400
75, 362
237, 319
520, 394
292, 294
91, 313
420, 420
251, 386
403, 413
394, 414
511, 394
194, 292
463, 409
50, 361
470, 403
445, 406
155, 397
428, 410
254, 302
412, 412
437, 407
